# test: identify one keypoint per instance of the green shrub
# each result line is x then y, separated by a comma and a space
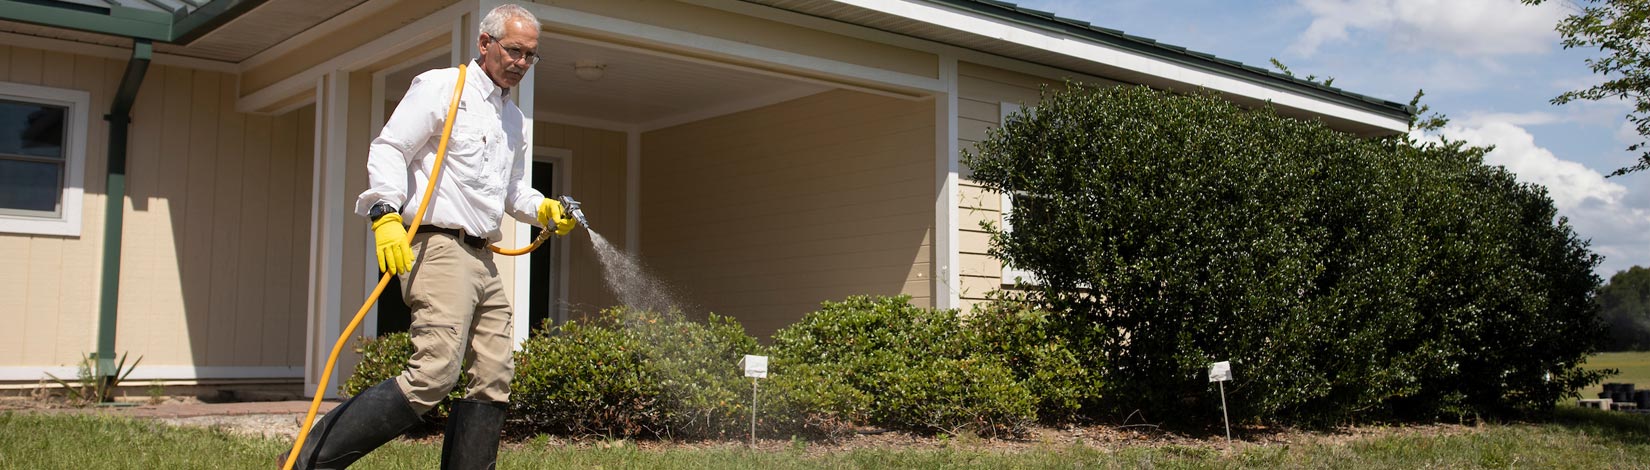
585, 378
631, 373
1345, 278
1029, 344
907, 367
801, 398
975, 393
385, 357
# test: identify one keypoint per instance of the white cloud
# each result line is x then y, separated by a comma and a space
1616, 219
1462, 27
1569, 183
1533, 118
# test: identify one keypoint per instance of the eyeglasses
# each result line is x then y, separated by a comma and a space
516, 53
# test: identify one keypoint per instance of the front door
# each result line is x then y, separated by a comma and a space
545, 298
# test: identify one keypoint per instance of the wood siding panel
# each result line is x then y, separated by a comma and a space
982, 90
599, 166
762, 214
229, 211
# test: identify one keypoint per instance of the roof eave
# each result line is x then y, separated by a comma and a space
1184, 57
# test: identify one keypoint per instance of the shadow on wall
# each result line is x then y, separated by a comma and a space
230, 195
761, 215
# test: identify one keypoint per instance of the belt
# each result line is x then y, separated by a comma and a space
473, 241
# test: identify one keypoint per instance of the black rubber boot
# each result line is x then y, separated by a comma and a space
472, 435
356, 427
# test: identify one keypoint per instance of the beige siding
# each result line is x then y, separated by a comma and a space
214, 249
761, 215
981, 92
48, 293
598, 178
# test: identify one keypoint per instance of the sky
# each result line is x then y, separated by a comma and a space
1490, 66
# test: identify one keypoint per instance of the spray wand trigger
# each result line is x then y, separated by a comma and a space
572, 207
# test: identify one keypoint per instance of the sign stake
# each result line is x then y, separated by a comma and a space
756, 367
1219, 373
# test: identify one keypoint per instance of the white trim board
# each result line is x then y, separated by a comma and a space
144, 372
927, 12
947, 281
781, 15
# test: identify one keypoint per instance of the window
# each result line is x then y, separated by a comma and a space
1012, 275
42, 158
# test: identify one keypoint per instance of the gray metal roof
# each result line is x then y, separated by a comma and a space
1145, 45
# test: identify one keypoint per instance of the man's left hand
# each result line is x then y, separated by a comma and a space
552, 213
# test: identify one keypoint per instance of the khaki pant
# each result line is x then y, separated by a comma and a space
457, 300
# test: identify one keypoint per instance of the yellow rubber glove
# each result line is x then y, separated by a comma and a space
551, 213
394, 252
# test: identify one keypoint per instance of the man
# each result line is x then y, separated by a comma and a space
459, 310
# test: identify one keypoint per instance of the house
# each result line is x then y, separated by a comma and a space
760, 155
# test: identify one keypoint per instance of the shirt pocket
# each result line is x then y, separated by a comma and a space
473, 156
465, 143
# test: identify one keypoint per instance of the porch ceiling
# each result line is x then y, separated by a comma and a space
639, 90
648, 90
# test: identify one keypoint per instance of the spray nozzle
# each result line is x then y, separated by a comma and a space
572, 207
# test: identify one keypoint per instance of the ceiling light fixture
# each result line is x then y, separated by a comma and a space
589, 70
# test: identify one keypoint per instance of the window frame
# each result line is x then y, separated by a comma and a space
72, 191
1012, 276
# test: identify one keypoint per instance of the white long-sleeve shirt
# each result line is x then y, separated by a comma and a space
481, 177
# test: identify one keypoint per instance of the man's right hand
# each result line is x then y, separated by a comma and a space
394, 252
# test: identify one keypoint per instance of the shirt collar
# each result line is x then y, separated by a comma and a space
483, 83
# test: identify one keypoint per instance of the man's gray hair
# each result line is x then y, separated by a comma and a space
493, 24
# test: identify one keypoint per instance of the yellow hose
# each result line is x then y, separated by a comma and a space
332, 359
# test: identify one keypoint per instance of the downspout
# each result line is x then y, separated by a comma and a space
120, 119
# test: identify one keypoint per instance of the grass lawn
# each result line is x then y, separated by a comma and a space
1634, 367
1573, 438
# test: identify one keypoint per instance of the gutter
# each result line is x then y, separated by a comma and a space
120, 120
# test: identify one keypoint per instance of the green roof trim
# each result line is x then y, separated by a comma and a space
122, 21
1180, 55
115, 20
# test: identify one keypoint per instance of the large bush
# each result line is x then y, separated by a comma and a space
1345, 278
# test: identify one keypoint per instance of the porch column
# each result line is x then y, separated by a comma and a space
327, 222
947, 292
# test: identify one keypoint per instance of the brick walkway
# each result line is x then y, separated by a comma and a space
191, 410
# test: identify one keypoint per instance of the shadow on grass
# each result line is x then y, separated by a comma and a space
1625, 428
